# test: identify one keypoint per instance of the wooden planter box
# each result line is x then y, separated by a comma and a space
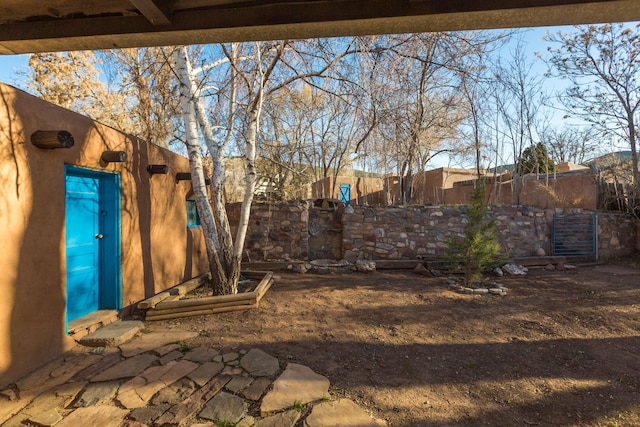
159, 308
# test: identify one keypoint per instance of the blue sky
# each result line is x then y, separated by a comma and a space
11, 65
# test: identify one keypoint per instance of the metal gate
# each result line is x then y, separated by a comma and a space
575, 234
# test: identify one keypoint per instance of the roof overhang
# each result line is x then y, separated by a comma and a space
57, 25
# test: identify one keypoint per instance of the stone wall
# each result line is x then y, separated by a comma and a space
616, 234
277, 231
423, 231
286, 231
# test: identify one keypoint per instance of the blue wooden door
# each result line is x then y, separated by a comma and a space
83, 245
345, 193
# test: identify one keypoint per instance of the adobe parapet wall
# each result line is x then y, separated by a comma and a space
281, 231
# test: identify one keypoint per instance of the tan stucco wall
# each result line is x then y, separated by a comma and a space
429, 186
158, 250
577, 190
360, 187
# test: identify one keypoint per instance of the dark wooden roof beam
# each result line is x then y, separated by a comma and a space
157, 12
138, 23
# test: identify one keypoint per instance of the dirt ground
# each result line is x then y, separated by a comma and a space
560, 349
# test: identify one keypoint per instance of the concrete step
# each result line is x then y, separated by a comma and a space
113, 335
84, 325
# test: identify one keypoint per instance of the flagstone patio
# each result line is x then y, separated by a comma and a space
158, 379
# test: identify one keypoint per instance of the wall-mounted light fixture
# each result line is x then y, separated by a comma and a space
158, 169
50, 139
114, 156
186, 176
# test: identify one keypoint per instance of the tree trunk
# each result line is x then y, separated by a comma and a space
188, 103
634, 149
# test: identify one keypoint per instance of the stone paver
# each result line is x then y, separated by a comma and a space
230, 357
46, 418
257, 388
150, 382
139, 390
247, 421
283, 419
96, 393
175, 393
107, 361
153, 340
170, 356
238, 384
297, 383
44, 408
41, 380
8, 394
127, 368
179, 414
260, 364
225, 407
205, 372
148, 414
343, 412
165, 349
102, 416
201, 354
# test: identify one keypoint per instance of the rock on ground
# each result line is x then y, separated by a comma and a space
297, 383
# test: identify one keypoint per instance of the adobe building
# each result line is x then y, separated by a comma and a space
430, 186
575, 188
85, 228
355, 190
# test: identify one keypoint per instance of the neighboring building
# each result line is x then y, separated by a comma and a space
266, 187
350, 189
572, 189
568, 167
429, 187
80, 234
571, 186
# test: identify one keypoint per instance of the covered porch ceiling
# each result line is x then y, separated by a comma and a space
57, 25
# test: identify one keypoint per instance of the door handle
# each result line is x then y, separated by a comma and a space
99, 236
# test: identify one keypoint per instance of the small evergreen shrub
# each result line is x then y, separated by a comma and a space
479, 249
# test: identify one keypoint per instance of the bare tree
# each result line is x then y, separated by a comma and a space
254, 72
602, 63
72, 80
570, 144
144, 77
519, 99
418, 104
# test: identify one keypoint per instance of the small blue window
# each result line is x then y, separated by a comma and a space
193, 219
345, 193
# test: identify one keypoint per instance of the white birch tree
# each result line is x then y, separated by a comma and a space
213, 216
252, 71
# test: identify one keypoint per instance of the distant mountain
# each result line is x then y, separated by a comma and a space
502, 169
608, 159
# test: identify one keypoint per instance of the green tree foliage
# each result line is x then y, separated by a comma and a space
479, 249
535, 159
